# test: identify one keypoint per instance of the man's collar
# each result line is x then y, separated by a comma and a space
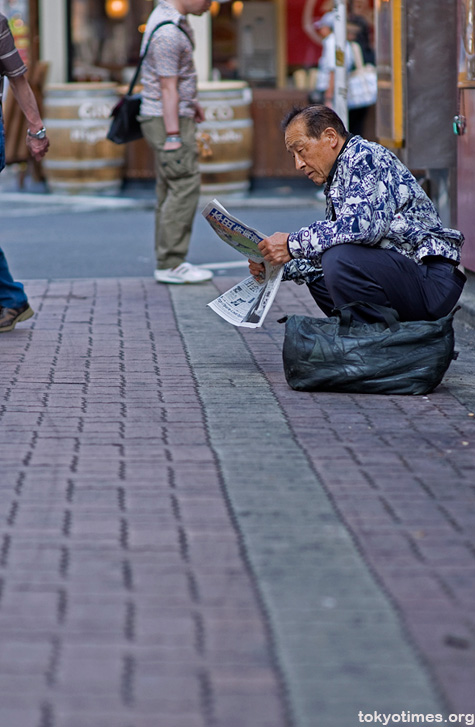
335, 163
170, 7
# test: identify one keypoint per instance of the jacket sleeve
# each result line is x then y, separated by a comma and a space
364, 198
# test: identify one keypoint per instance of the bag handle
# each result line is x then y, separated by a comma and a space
141, 59
389, 315
357, 55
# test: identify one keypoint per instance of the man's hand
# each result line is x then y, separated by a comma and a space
27, 102
274, 248
37, 147
199, 113
257, 270
171, 145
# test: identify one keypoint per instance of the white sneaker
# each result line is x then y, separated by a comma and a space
184, 273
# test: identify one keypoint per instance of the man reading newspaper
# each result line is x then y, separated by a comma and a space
382, 240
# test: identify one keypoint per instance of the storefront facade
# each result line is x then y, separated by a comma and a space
260, 42
22, 16
263, 43
466, 129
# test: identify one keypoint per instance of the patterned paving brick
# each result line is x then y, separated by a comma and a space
124, 596
413, 525
186, 542
315, 583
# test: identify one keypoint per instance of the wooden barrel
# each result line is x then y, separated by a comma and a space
228, 124
80, 159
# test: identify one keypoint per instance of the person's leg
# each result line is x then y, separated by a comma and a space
180, 205
14, 306
385, 277
161, 191
178, 189
319, 292
2, 142
154, 132
12, 294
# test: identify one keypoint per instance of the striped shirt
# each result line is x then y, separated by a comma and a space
170, 54
11, 64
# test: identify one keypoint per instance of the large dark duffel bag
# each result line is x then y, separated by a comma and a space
391, 357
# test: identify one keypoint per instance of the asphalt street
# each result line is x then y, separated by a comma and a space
45, 240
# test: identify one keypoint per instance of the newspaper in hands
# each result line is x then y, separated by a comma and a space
248, 302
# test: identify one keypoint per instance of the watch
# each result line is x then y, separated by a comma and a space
41, 134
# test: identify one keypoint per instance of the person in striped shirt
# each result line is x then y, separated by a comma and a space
14, 306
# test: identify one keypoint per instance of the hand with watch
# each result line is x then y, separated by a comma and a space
172, 141
37, 143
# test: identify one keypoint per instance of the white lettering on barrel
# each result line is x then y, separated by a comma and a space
225, 137
219, 112
90, 136
90, 110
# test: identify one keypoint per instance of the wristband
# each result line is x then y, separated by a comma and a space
173, 133
173, 137
41, 134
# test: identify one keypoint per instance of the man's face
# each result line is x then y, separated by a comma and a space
197, 7
325, 31
352, 31
314, 157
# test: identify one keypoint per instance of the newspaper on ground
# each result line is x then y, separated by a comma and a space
248, 302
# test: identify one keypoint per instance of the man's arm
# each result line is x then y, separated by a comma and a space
199, 113
308, 23
170, 101
21, 89
330, 92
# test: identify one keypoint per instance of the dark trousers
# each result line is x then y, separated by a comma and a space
356, 120
358, 272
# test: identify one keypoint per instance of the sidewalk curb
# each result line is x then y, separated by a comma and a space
467, 310
76, 201
86, 201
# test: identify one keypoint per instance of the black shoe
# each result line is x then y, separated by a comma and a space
9, 317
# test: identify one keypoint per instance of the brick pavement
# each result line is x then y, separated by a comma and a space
186, 542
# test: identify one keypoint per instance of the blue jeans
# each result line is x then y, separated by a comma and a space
12, 294
2, 142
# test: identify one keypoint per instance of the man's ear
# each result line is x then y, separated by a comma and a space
331, 135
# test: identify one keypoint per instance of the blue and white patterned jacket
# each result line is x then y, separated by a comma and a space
377, 202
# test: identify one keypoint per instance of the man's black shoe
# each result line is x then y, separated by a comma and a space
9, 317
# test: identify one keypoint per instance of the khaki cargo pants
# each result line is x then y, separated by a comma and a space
177, 187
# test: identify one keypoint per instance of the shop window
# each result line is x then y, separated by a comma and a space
245, 41
467, 41
17, 12
105, 38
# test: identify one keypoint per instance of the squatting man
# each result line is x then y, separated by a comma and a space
382, 240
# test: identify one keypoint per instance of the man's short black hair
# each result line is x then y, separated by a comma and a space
317, 118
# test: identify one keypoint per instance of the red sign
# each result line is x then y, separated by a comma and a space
301, 50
